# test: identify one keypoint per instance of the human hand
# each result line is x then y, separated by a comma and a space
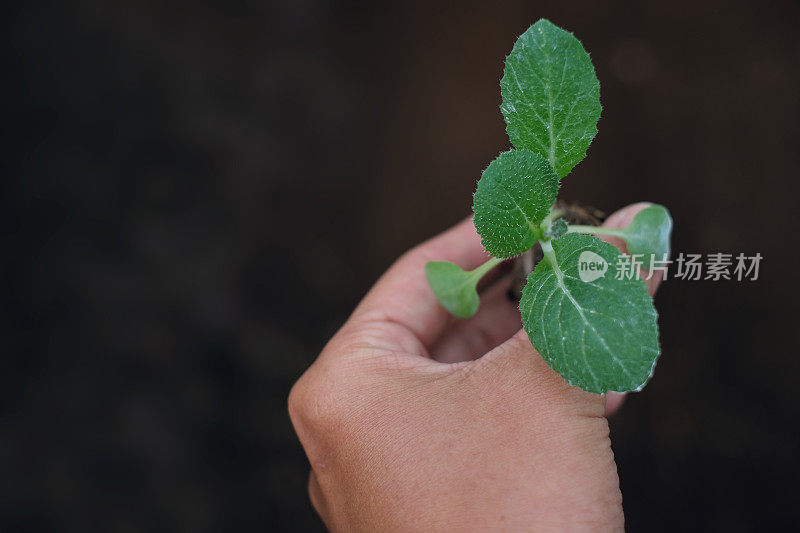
413, 421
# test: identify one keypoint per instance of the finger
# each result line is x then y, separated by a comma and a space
518, 364
402, 295
614, 401
496, 321
316, 496
621, 219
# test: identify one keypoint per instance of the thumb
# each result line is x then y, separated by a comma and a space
556, 433
518, 370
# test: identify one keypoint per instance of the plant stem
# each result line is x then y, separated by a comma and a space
550, 255
596, 230
484, 268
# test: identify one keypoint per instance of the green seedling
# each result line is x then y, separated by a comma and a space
585, 306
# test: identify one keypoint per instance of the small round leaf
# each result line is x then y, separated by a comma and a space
648, 234
514, 195
454, 288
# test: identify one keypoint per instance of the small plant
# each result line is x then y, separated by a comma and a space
596, 328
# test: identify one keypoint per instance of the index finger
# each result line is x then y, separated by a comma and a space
402, 295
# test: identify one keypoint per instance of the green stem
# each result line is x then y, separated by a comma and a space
550, 255
484, 268
597, 230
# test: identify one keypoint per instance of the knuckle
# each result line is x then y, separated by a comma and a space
297, 400
316, 402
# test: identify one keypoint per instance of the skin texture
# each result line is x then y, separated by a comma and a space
415, 421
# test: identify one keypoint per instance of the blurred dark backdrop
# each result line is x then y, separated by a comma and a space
195, 195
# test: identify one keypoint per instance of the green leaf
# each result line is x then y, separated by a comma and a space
648, 234
456, 288
600, 335
515, 193
551, 96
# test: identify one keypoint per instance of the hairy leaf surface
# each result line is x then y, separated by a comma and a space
600, 335
514, 195
551, 96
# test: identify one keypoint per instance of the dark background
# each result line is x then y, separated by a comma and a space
195, 195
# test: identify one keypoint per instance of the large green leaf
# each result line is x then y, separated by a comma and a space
600, 335
514, 195
551, 96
